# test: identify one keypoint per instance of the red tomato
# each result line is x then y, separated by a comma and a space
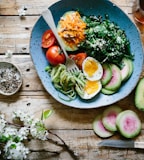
78, 58
55, 56
48, 39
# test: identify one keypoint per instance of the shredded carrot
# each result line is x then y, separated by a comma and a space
72, 29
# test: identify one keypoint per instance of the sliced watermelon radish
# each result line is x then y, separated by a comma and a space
107, 74
99, 128
128, 123
131, 67
115, 81
127, 69
107, 92
109, 117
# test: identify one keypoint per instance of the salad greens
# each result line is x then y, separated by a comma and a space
105, 41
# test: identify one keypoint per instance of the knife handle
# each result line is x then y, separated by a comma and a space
139, 145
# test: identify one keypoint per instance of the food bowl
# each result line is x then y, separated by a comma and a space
10, 79
93, 7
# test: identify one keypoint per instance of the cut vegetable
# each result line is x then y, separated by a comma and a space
128, 123
107, 92
71, 29
107, 74
139, 95
99, 128
131, 67
115, 81
109, 117
127, 69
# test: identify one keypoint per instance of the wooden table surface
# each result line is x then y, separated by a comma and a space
74, 126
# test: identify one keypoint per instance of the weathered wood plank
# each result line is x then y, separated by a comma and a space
10, 7
15, 33
63, 116
84, 144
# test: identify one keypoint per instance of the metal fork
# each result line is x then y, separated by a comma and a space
70, 64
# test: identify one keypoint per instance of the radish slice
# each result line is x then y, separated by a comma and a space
109, 117
99, 128
115, 81
128, 123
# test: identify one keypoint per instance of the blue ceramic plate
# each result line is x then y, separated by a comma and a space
92, 7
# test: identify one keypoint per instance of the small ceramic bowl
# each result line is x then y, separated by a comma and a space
10, 79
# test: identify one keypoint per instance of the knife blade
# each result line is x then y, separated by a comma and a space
122, 144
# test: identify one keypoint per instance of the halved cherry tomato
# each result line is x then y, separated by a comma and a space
48, 39
54, 55
78, 58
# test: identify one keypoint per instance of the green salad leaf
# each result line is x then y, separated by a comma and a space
104, 40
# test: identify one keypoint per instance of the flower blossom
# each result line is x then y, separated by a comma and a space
8, 53
38, 130
23, 133
24, 117
22, 11
2, 123
15, 150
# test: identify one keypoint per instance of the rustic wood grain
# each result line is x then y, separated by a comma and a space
74, 126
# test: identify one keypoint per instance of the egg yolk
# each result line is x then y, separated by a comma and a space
91, 87
90, 67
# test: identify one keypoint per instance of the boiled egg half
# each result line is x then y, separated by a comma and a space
92, 69
91, 89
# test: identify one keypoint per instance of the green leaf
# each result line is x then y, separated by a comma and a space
13, 146
46, 114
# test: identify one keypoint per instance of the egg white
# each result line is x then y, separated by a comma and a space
92, 69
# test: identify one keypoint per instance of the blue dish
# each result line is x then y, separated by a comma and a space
92, 7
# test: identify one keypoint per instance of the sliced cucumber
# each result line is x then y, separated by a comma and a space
115, 81
99, 128
139, 95
128, 123
127, 69
109, 117
107, 74
107, 92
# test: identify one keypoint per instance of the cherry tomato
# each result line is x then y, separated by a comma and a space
78, 58
48, 39
55, 56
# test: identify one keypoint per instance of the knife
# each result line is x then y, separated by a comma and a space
122, 144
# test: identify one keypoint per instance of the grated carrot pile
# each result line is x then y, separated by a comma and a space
72, 29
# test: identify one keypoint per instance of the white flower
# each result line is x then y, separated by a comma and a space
22, 11
2, 123
16, 151
8, 53
10, 132
23, 133
24, 117
38, 130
